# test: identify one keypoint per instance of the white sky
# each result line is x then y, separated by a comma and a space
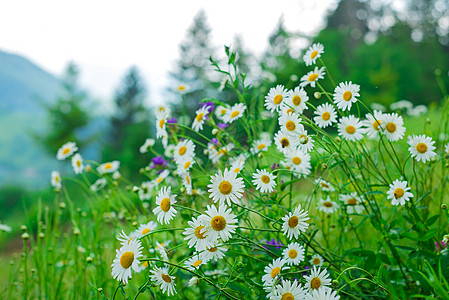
106, 37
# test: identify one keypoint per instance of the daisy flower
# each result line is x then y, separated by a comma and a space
184, 150
352, 202
146, 146
322, 294
144, 229
276, 95
126, 259
187, 182
66, 150
290, 123
289, 290
316, 260
325, 115
237, 165
345, 94
124, 238
98, 185
109, 167
197, 235
220, 112
215, 154
293, 254
195, 262
373, 124
285, 142
165, 210
56, 180
325, 186
164, 174
273, 270
214, 253
327, 206
200, 118
162, 252
227, 187
264, 181
393, 127
184, 165
145, 190
162, 108
312, 77
295, 100
421, 147
234, 113
305, 141
317, 279
299, 162
219, 222
350, 128
260, 145
161, 121
161, 277
295, 223
5, 228
77, 163
313, 53
399, 192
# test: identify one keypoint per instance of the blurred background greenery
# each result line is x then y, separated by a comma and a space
391, 54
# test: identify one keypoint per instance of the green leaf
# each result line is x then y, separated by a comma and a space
430, 221
429, 234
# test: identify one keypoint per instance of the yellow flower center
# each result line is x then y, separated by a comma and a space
293, 222
275, 272
145, 231
165, 204
285, 142
198, 233
290, 125
107, 166
347, 96
57, 178
222, 151
126, 260
328, 204
324, 185
218, 223
352, 201
199, 117
225, 187
278, 99
313, 77
166, 278
313, 54
391, 127
186, 165
182, 150
213, 249
296, 160
316, 261
65, 151
236, 170
296, 100
315, 283
290, 110
223, 111
288, 296
398, 193
265, 179
261, 146
181, 88
235, 114
292, 253
421, 148
159, 179
145, 264
78, 163
161, 123
326, 116
376, 124
350, 129
188, 179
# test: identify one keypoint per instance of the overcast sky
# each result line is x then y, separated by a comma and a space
106, 37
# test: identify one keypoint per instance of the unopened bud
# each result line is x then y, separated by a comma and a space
323, 166
317, 95
136, 189
214, 131
443, 206
427, 121
25, 236
89, 259
338, 139
62, 205
135, 223
182, 189
23, 228
193, 281
88, 168
76, 231
437, 72
100, 290
260, 154
335, 282
41, 235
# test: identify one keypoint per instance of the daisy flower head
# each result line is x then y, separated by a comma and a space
161, 277
147, 145
275, 97
312, 77
200, 118
305, 141
144, 229
298, 162
214, 253
324, 185
345, 95
285, 142
220, 112
295, 223
124, 238
295, 101
317, 279
98, 185
197, 235
145, 190
162, 109
184, 150
234, 113
164, 174
352, 203
421, 147
219, 222
187, 182
289, 123
184, 165
77, 163
327, 206
237, 165
273, 270
5, 228
316, 260
399, 192
325, 115
350, 128
56, 180
264, 181
313, 53
293, 254
66, 150
126, 259
165, 210
322, 294
373, 124
108, 167
195, 262
227, 187
261, 145
161, 124
393, 127
289, 290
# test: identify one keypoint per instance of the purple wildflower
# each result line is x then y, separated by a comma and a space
210, 106
222, 125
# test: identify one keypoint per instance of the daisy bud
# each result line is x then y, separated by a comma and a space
338, 139
76, 231
83, 214
135, 224
136, 189
317, 95
260, 155
437, 72
205, 152
335, 282
88, 168
323, 167
89, 259
141, 170
447, 165
182, 190
427, 121
33, 271
147, 168
23, 228
100, 290
25, 236
443, 206
41, 235
62, 205
193, 281
214, 131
